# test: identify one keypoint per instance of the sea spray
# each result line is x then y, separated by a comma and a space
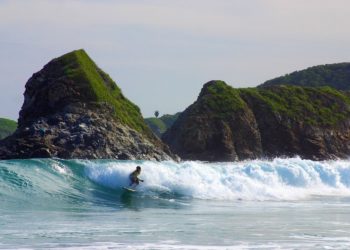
256, 180
279, 179
74, 204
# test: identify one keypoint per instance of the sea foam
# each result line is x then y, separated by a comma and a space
278, 179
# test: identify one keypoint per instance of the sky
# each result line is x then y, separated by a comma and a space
160, 52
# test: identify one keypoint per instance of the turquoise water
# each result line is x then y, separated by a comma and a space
278, 204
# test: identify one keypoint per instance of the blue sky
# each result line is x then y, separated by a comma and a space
161, 52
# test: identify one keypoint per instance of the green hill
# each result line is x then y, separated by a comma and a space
161, 124
72, 109
315, 106
226, 124
333, 75
312, 105
97, 86
7, 127
80, 81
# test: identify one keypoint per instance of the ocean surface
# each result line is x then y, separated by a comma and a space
261, 204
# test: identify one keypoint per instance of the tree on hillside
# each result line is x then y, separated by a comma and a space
156, 113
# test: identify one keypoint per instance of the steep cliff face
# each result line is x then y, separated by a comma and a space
219, 126
72, 109
227, 124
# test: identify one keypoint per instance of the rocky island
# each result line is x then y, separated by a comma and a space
228, 124
72, 109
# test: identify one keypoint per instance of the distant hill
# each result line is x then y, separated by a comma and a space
7, 127
333, 75
161, 124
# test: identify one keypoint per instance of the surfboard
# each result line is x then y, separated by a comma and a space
129, 189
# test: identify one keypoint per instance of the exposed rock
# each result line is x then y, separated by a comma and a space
72, 109
227, 124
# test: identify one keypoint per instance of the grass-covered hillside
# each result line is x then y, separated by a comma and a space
333, 75
161, 124
226, 124
72, 109
321, 106
219, 99
312, 105
97, 86
7, 127
74, 79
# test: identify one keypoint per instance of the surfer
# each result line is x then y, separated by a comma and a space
134, 177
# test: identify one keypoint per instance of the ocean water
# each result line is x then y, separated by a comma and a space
261, 204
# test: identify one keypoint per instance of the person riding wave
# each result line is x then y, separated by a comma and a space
134, 177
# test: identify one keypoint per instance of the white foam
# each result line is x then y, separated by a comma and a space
335, 243
279, 179
60, 169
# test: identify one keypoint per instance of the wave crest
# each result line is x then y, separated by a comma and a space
279, 179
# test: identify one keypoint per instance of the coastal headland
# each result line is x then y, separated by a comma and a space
73, 109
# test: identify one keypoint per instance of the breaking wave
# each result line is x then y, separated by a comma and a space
52, 181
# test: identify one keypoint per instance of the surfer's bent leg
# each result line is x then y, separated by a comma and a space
133, 180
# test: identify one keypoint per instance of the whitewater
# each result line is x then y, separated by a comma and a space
259, 204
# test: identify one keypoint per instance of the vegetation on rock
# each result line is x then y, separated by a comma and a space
235, 124
97, 86
161, 124
220, 99
7, 127
320, 106
333, 75
72, 109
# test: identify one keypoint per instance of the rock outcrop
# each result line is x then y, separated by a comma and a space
227, 124
72, 109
